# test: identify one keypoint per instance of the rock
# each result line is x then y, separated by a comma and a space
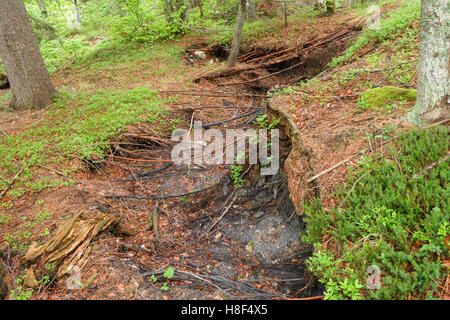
30, 279
258, 214
218, 236
241, 192
4, 82
224, 269
245, 213
200, 54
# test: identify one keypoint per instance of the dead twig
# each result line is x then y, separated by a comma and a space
155, 220
13, 180
170, 196
262, 78
354, 185
332, 167
231, 200
392, 71
231, 119
431, 166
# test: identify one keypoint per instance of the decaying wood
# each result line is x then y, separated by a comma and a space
70, 243
274, 58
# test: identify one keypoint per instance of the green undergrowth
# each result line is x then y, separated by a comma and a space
393, 214
393, 24
78, 125
68, 45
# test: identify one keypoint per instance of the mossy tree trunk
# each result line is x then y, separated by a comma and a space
433, 87
237, 34
331, 7
24, 66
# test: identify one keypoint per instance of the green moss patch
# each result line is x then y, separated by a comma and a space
380, 97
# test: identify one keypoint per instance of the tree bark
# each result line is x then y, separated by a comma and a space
23, 62
433, 82
251, 11
331, 7
237, 35
43, 8
78, 12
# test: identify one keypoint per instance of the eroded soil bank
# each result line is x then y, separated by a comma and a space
221, 241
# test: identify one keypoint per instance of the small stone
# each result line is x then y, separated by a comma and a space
260, 183
241, 192
200, 54
218, 236
258, 214
30, 279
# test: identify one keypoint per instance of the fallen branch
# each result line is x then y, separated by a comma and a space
392, 71
170, 196
155, 221
354, 185
431, 166
221, 283
360, 153
218, 107
262, 78
231, 119
231, 200
153, 171
211, 93
13, 180
307, 298
332, 167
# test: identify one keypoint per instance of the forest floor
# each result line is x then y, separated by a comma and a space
221, 242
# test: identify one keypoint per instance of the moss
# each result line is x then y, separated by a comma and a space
379, 97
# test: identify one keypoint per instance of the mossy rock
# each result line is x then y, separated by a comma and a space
379, 97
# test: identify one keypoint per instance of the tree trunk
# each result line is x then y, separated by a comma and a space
331, 7
433, 82
237, 35
251, 11
24, 66
78, 13
43, 8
